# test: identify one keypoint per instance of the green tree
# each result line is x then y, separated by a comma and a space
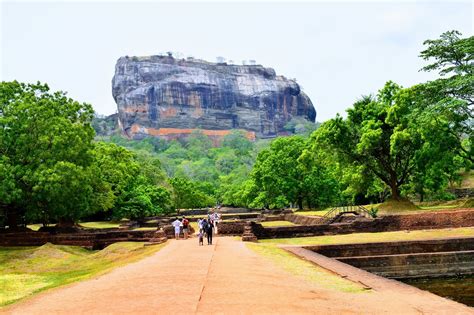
45, 139
378, 134
277, 174
449, 100
136, 180
188, 194
237, 141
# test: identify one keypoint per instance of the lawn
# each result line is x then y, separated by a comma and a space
88, 225
100, 224
373, 237
306, 270
276, 223
319, 213
145, 228
25, 271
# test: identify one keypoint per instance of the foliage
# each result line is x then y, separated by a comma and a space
136, 181
51, 170
449, 100
373, 211
189, 194
287, 174
45, 140
378, 136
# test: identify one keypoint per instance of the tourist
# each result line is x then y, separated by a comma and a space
210, 227
185, 223
201, 237
204, 225
199, 223
177, 226
216, 219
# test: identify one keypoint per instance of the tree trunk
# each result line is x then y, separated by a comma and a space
65, 223
395, 192
422, 195
12, 219
300, 203
394, 187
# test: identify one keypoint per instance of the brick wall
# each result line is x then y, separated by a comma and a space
430, 220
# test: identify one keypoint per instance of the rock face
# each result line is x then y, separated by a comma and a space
164, 96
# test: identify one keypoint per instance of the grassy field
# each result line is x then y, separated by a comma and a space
144, 229
100, 225
304, 269
373, 237
25, 271
277, 223
88, 225
319, 213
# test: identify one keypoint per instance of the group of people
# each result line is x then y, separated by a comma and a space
207, 226
181, 224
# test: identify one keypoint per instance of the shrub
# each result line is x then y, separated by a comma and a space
373, 212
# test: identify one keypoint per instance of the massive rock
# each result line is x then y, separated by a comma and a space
164, 96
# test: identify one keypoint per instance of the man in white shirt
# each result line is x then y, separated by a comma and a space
177, 226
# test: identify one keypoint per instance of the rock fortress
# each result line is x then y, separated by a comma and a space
168, 97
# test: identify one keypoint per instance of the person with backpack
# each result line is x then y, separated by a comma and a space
185, 223
209, 228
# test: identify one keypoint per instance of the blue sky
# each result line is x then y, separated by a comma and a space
337, 51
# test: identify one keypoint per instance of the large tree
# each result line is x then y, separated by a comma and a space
448, 102
45, 139
378, 136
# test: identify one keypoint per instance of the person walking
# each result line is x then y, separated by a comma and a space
209, 228
185, 223
216, 219
177, 226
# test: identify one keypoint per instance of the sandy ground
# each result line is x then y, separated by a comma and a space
225, 278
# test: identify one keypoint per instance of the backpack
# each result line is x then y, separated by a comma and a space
185, 223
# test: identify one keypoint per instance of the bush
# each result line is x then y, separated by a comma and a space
373, 212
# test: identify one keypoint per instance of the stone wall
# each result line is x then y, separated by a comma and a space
231, 228
430, 220
302, 219
462, 192
91, 240
407, 259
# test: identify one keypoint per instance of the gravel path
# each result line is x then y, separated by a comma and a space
225, 278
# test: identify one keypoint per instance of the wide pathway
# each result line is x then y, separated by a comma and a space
225, 278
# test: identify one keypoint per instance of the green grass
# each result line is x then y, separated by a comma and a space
100, 225
373, 237
313, 213
277, 223
305, 269
88, 225
25, 271
34, 227
144, 229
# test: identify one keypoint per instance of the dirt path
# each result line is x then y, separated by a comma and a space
222, 278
